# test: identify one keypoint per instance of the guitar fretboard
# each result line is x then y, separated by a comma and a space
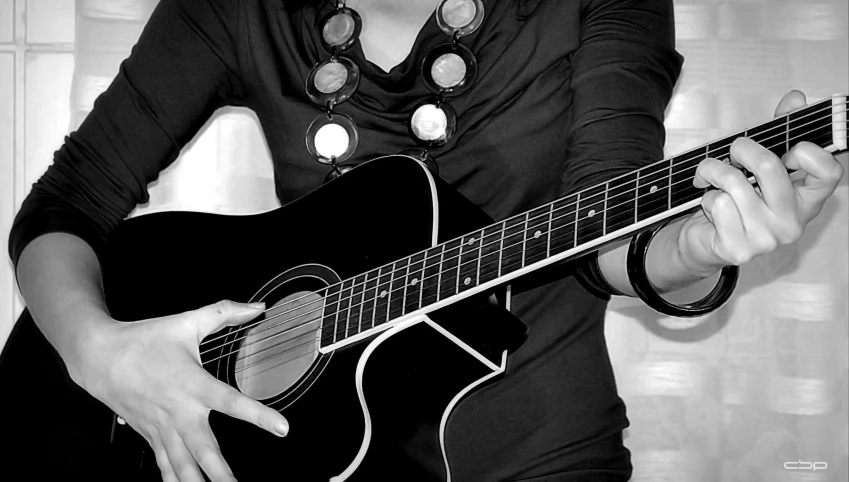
365, 302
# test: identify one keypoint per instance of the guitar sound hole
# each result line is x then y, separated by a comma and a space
277, 352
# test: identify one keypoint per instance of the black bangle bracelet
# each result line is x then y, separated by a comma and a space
640, 282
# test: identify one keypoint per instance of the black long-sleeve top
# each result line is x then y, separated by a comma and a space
568, 93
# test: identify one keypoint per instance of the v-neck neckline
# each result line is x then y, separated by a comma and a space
428, 34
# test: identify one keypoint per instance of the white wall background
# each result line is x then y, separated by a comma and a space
767, 383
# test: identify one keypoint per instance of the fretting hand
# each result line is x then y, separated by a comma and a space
149, 373
736, 222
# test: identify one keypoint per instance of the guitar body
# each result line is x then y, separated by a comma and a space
374, 409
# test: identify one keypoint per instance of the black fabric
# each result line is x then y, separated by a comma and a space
568, 93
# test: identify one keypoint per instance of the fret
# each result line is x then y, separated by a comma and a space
448, 269
525, 237
590, 205
501, 244
787, 135
398, 286
382, 290
563, 224
470, 250
772, 135
511, 252
415, 273
536, 235
637, 196
430, 278
620, 211
812, 124
356, 310
683, 172
604, 209
369, 300
330, 315
490, 253
548, 229
341, 328
654, 193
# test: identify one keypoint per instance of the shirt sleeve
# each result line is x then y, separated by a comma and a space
623, 74
183, 67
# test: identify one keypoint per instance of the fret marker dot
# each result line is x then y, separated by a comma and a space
537, 234
591, 213
471, 241
467, 281
413, 283
653, 189
383, 294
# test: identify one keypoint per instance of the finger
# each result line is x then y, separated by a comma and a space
180, 458
730, 239
791, 101
162, 461
225, 399
201, 443
822, 175
820, 165
726, 178
775, 184
212, 318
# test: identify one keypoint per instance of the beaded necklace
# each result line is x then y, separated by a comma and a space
448, 70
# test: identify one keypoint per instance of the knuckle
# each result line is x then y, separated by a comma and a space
739, 257
723, 201
768, 164
223, 307
232, 402
790, 233
765, 243
206, 454
732, 180
835, 174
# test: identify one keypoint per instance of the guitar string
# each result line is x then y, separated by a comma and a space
404, 306
390, 281
359, 326
366, 298
829, 108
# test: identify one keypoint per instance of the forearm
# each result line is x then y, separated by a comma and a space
668, 269
59, 276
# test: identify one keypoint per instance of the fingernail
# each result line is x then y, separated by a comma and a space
281, 429
259, 305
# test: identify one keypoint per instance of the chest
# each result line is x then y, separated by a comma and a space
506, 153
390, 28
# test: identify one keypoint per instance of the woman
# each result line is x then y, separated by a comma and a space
566, 94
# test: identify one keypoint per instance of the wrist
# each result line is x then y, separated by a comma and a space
90, 344
670, 264
698, 263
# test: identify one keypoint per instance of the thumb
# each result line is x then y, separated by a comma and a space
793, 100
216, 316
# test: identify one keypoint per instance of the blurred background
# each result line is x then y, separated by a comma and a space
728, 397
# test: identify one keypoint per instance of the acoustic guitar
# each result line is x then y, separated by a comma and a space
385, 300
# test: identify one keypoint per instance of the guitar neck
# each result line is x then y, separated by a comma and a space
563, 229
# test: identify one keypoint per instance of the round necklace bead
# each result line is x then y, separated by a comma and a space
458, 13
332, 138
340, 29
432, 124
459, 17
449, 69
333, 81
